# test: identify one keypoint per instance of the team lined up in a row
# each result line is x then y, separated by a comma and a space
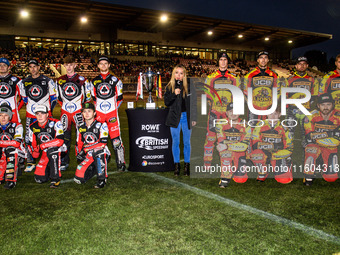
51, 136
271, 144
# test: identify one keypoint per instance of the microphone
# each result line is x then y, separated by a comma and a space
178, 85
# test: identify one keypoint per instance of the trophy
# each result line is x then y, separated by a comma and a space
150, 80
149, 83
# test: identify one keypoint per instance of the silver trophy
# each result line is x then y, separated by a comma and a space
149, 83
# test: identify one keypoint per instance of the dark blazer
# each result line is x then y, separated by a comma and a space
174, 102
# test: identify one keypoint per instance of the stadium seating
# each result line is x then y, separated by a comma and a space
128, 70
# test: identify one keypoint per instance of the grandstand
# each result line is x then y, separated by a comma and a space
128, 70
139, 33
135, 38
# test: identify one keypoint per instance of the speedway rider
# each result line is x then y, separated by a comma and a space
330, 83
262, 80
300, 79
9, 89
272, 146
11, 147
91, 148
322, 132
72, 92
107, 93
35, 90
46, 137
233, 140
218, 97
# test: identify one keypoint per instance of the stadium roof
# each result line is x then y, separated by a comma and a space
65, 13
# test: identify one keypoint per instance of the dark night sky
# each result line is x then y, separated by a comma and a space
311, 15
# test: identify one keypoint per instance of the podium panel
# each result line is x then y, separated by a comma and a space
150, 141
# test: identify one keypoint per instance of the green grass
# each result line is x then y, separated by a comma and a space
138, 214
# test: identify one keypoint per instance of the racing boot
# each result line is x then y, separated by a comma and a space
10, 185
261, 177
54, 184
308, 181
100, 184
177, 169
187, 169
122, 168
224, 182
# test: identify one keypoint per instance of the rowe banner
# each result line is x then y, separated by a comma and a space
150, 141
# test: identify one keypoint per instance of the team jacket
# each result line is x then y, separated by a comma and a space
272, 139
217, 82
92, 137
44, 137
262, 82
318, 129
236, 136
306, 82
37, 91
12, 135
72, 92
330, 83
10, 91
107, 93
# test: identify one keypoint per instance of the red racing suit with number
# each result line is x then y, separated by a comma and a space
217, 82
107, 93
262, 81
92, 151
272, 146
48, 139
233, 159
11, 150
72, 92
10, 93
330, 83
322, 138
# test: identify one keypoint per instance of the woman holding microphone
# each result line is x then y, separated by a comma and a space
182, 115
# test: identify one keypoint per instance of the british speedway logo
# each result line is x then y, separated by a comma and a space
151, 143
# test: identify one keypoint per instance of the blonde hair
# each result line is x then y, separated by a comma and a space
172, 84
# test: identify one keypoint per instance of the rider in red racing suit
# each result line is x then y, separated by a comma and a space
107, 93
262, 80
330, 83
46, 135
272, 146
9, 89
91, 148
233, 140
36, 90
300, 79
11, 147
216, 82
322, 132
72, 92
